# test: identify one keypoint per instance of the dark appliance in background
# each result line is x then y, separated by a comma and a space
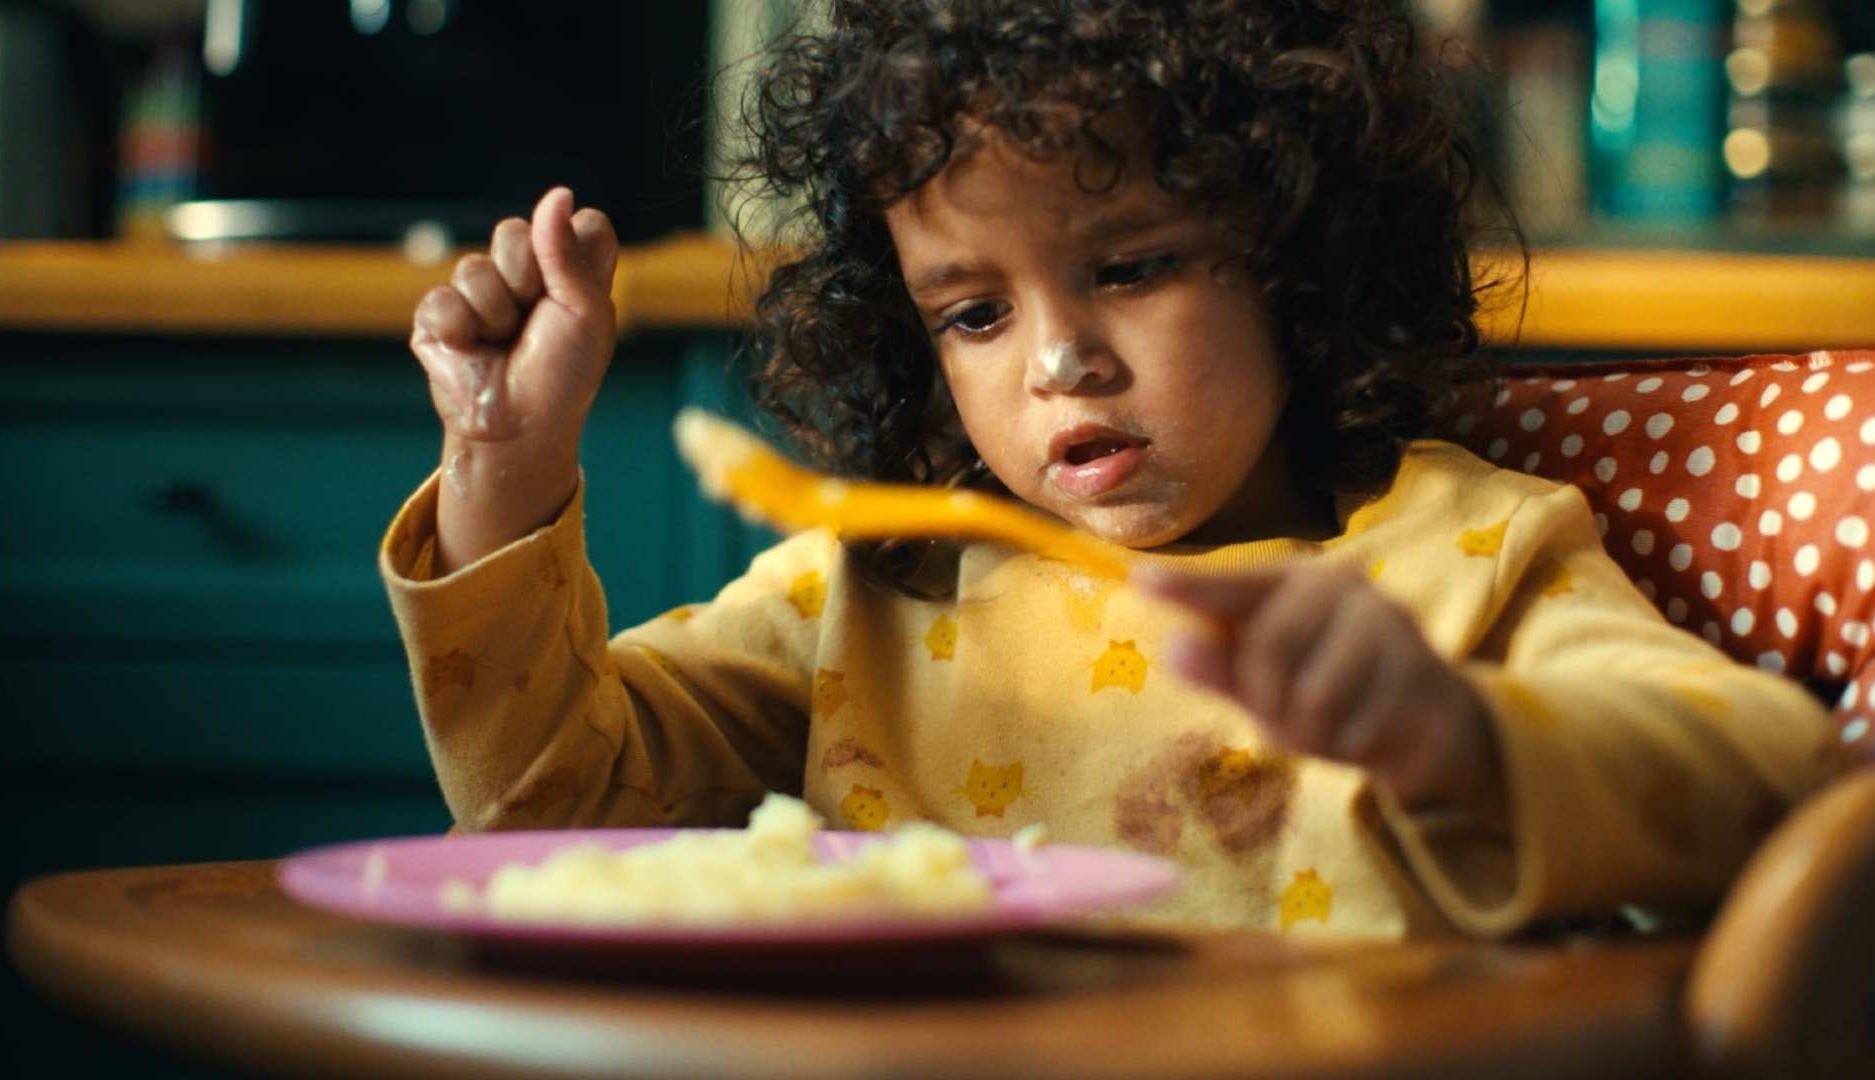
370, 120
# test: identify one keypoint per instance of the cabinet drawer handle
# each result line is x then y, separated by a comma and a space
195, 501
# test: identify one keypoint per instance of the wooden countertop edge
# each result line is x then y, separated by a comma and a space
1643, 300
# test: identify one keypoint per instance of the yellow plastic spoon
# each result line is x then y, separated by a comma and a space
734, 466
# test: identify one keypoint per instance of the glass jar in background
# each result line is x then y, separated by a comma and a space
1785, 75
1855, 132
1657, 110
160, 143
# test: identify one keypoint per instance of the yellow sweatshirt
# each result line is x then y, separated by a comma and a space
1642, 764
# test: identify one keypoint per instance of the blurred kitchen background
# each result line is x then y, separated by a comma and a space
1712, 122
216, 216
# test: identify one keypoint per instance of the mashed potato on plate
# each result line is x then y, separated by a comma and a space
767, 873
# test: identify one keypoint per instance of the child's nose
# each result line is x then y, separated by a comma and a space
1064, 365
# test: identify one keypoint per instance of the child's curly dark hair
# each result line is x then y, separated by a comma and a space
1308, 127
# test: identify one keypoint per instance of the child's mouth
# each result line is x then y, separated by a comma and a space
1089, 462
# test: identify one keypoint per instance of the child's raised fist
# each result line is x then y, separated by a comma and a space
517, 342
1333, 667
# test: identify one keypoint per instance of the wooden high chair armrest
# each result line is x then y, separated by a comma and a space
1784, 984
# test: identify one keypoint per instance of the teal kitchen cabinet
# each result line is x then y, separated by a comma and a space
198, 661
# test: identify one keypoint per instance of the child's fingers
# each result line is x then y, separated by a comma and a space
1225, 598
1202, 658
444, 316
1340, 682
563, 269
1276, 640
512, 247
598, 244
481, 284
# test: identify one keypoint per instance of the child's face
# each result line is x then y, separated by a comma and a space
1107, 353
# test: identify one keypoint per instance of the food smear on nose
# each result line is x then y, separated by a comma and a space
1063, 365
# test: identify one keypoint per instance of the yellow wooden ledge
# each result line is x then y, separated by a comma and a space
1684, 301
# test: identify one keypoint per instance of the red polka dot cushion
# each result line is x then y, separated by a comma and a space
1739, 494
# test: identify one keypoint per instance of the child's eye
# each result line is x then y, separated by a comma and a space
1120, 275
978, 318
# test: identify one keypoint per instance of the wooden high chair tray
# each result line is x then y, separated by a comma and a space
217, 962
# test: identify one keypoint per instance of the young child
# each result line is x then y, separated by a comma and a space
1191, 277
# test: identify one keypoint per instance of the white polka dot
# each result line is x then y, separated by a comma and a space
1615, 377
1464, 424
1859, 367
1855, 633
1786, 622
1790, 468
1749, 441
1571, 445
1769, 395
1807, 559
1531, 459
1865, 575
1629, 500
1790, 422
1577, 407
1677, 510
1770, 523
1742, 621
1699, 371
1783, 365
1826, 454
1497, 449
1727, 413
1852, 531
1710, 631
1868, 432
1748, 485
1659, 424
1601, 524
1531, 419
1836, 663
1695, 392
1643, 541
1616, 422
1821, 359
1676, 610
1855, 729
1658, 463
1648, 385
1711, 585
1503, 395
1743, 376
1771, 661
1646, 586
1759, 574
1700, 461
1801, 506
1727, 536
1680, 557
1825, 604
1562, 384
1605, 469
1815, 382
1865, 478
1838, 407
1849, 696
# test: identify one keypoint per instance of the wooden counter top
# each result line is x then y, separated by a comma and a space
1579, 299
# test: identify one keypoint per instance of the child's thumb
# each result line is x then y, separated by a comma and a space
564, 273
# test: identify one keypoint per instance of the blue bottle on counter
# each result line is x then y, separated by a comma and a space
1657, 110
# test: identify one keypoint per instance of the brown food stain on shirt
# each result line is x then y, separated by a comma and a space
846, 752
1241, 797
454, 668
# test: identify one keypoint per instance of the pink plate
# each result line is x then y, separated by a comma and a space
398, 880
